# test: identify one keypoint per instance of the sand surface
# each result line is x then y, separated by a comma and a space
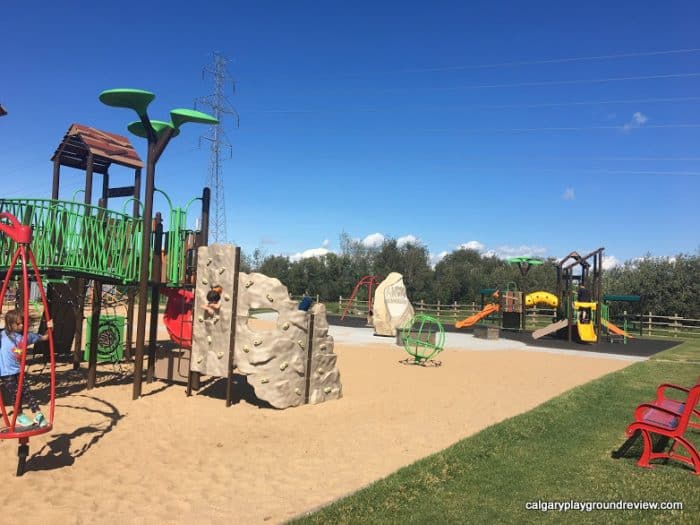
168, 459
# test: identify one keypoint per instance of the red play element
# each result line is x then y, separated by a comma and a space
670, 418
178, 315
369, 281
22, 235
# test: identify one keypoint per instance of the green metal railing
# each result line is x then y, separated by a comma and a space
77, 238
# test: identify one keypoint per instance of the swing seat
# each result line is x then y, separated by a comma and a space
670, 418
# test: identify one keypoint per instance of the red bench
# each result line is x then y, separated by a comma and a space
670, 418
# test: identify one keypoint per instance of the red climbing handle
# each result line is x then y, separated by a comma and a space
16, 231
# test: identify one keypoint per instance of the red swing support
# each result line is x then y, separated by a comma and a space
22, 235
369, 281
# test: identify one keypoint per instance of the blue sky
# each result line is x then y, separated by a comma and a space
517, 128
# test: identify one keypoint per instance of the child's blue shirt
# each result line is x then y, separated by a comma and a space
9, 364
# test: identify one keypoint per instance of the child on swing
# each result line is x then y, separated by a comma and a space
10, 362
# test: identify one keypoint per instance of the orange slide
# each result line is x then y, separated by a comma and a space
473, 319
615, 329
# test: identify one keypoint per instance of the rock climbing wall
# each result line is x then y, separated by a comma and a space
211, 333
392, 308
276, 360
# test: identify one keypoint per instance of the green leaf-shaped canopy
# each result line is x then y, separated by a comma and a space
136, 99
181, 115
159, 126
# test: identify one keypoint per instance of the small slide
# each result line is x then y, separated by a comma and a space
586, 332
473, 319
178, 315
551, 328
615, 329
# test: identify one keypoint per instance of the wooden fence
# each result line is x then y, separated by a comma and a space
648, 324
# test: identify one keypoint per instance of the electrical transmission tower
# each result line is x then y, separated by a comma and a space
218, 106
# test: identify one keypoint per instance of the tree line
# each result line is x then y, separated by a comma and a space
668, 286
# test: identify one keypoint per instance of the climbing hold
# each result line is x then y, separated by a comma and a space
319, 370
219, 355
204, 281
327, 390
285, 326
209, 339
257, 342
284, 365
248, 284
322, 348
209, 261
222, 270
297, 391
200, 359
215, 319
246, 348
227, 297
200, 318
301, 344
264, 380
270, 298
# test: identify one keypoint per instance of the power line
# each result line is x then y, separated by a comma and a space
480, 106
540, 62
558, 82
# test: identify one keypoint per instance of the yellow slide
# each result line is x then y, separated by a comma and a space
615, 329
546, 298
586, 332
473, 319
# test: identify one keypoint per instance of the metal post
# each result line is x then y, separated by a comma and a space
144, 269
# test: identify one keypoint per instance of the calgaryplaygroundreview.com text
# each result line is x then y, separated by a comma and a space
589, 506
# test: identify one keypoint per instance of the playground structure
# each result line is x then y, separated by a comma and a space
584, 320
76, 243
571, 271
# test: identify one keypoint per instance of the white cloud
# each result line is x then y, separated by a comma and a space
407, 239
568, 194
311, 252
435, 258
325, 243
638, 119
373, 240
503, 252
471, 245
610, 261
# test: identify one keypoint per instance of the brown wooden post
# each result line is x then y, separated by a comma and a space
155, 296
234, 319
193, 378
94, 332
56, 176
309, 358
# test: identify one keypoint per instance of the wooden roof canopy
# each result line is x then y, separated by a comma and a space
106, 148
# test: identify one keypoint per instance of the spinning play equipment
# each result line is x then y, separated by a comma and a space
20, 236
423, 338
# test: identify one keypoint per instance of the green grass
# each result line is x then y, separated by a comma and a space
559, 451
